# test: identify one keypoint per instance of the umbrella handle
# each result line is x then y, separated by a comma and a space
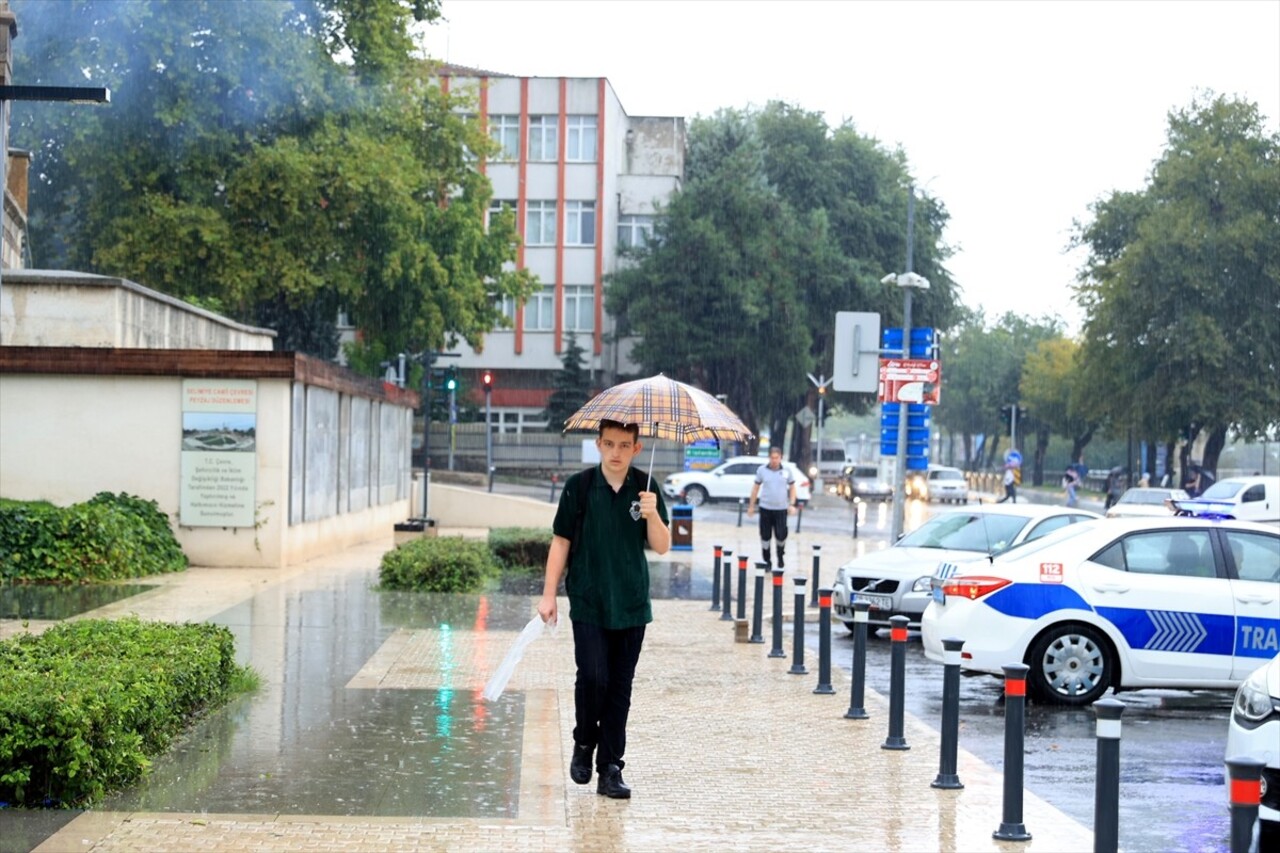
652, 451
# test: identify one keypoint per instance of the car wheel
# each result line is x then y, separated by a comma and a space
695, 496
1071, 664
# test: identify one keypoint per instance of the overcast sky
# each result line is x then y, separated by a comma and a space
1016, 115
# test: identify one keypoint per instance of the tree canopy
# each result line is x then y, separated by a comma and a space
1181, 290
277, 160
782, 222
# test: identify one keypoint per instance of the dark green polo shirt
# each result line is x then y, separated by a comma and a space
608, 577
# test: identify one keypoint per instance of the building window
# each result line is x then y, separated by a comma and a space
580, 145
580, 223
506, 305
634, 231
505, 130
539, 311
543, 137
540, 223
579, 308
496, 206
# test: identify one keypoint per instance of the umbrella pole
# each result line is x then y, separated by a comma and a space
652, 450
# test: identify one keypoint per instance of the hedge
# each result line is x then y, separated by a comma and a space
86, 704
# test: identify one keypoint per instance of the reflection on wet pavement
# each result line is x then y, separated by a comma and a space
308, 743
61, 601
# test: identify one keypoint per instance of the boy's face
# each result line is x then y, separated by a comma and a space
775, 459
617, 449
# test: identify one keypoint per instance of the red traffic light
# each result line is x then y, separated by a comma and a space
486, 379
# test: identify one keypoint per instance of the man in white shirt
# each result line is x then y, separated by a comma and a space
775, 487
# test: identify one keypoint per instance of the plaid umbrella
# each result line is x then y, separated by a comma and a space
662, 408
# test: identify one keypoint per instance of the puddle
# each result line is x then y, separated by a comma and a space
49, 601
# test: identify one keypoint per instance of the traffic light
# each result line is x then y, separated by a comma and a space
486, 379
451, 380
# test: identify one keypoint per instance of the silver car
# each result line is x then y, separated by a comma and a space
896, 580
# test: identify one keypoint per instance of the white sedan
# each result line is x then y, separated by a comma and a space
1254, 732
731, 480
896, 580
1123, 603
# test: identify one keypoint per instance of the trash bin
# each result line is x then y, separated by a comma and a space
681, 527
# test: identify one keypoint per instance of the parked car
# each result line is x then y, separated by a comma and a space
1121, 603
728, 481
1254, 731
1152, 501
863, 482
896, 580
939, 483
1245, 498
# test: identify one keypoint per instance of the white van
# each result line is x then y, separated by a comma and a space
829, 462
1243, 498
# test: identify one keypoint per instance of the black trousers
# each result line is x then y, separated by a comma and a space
606, 662
773, 524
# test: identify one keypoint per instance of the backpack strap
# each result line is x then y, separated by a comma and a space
587, 480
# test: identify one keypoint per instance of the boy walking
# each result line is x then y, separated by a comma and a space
775, 487
605, 518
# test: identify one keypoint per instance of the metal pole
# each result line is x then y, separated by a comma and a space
428, 361
1245, 796
857, 688
947, 777
715, 579
817, 560
1106, 782
797, 630
453, 409
488, 434
1015, 709
776, 651
897, 683
817, 460
900, 478
742, 587
824, 643
757, 606
726, 588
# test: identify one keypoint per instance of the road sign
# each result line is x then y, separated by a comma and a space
805, 417
910, 380
856, 351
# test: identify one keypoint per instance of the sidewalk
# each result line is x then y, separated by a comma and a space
727, 750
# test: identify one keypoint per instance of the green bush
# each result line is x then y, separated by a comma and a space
85, 705
521, 550
105, 538
438, 564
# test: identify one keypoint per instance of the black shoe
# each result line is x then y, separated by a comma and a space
580, 764
611, 785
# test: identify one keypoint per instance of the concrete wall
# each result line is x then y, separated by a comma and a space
68, 437
454, 506
46, 308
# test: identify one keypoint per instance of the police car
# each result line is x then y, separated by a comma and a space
1122, 603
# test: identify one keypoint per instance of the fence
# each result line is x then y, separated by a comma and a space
525, 451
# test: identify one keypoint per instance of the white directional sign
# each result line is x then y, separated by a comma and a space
857, 352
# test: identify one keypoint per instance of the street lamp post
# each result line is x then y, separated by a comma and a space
908, 281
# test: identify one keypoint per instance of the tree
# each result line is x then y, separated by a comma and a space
1182, 283
252, 167
571, 386
781, 223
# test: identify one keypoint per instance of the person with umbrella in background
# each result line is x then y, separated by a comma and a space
607, 514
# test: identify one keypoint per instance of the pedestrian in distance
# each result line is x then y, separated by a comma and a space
606, 517
1115, 486
1071, 482
775, 488
1010, 486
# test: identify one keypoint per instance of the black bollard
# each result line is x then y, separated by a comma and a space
742, 502
1246, 794
742, 586
799, 521
776, 651
727, 586
1106, 788
817, 559
757, 606
857, 504
797, 632
1015, 711
858, 687
824, 642
493, 469
947, 777
897, 682
715, 580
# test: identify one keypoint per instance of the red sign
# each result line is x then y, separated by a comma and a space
910, 380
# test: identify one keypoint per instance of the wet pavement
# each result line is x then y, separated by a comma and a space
369, 733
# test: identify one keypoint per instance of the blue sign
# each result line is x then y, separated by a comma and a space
1013, 458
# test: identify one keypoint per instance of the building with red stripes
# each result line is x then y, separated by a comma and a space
585, 180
